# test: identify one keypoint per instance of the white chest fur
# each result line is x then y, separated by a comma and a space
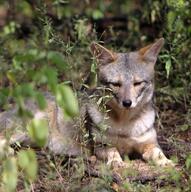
132, 127
127, 133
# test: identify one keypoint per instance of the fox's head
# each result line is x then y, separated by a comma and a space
128, 75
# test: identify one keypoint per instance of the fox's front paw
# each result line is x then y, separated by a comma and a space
157, 156
117, 163
164, 162
114, 159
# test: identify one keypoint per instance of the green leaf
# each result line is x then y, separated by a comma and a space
174, 174
81, 29
24, 8
97, 14
41, 101
31, 170
93, 67
168, 67
27, 90
171, 16
3, 99
184, 127
24, 90
58, 59
31, 55
38, 131
23, 159
51, 75
28, 163
67, 100
10, 174
188, 162
11, 77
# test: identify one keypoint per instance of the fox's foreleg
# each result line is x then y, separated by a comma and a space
153, 152
111, 155
108, 154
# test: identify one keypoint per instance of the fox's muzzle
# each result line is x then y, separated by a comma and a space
127, 103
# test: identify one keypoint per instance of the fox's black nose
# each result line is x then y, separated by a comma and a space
127, 103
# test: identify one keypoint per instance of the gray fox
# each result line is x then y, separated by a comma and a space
128, 119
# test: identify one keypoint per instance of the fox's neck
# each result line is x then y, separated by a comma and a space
119, 114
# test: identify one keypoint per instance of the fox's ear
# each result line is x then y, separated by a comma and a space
150, 52
103, 55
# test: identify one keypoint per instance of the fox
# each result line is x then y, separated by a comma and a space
129, 118
131, 114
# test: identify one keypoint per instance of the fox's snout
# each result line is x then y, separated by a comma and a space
125, 95
127, 103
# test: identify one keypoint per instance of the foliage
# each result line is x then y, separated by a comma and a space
44, 47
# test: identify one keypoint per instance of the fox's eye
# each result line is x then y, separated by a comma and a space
115, 84
138, 83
